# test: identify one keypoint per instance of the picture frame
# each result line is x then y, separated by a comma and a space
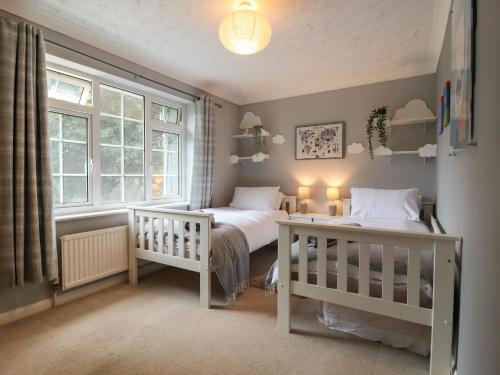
463, 60
319, 141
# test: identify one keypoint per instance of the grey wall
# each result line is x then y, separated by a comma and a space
226, 119
352, 106
468, 203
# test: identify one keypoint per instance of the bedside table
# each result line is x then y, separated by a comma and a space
313, 217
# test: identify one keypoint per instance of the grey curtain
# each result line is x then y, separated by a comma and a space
27, 251
203, 158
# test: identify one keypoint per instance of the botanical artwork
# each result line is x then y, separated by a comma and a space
462, 70
319, 141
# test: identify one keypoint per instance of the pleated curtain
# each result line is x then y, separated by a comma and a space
203, 156
27, 251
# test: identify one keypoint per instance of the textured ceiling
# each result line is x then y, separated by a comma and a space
317, 45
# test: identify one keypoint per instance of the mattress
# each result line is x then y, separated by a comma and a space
258, 226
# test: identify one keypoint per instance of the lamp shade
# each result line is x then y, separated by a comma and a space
332, 193
245, 31
304, 192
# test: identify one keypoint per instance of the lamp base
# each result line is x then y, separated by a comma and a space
303, 208
332, 209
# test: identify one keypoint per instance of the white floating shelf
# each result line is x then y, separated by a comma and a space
415, 112
257, 158
246, 136
414, 121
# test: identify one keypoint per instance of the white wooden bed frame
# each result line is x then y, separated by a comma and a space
140, 217
439, 317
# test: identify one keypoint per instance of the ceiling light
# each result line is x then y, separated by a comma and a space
245, 31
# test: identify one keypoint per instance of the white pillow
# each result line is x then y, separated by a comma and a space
385, 204
255, 198
279, 199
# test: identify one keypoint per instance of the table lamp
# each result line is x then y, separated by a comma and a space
332, 195
303, 195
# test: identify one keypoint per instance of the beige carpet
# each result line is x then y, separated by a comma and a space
159, 328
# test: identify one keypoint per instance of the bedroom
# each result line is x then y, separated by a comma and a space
179, 122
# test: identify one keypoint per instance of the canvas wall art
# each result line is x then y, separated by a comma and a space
319, 141
462, 69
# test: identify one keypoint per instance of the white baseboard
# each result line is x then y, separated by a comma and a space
72, 295
25, 311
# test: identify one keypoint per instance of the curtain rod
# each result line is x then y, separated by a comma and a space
128, 71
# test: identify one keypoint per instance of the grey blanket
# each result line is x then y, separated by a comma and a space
230, 256
230, 259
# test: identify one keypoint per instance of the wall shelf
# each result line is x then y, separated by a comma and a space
415, 112
246, 136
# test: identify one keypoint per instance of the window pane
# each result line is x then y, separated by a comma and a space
74, 128
158, 162
157, 140
69, 88
134, 189
74, 189
172, 185
74, 158
172, 142
54, 119
55, 156
133, 107
111, 189
164, 113
69, 156
56, 190
125, 159
158, 186
172, 164
133, 161
165, 161
111, 101
133, 133
111, 160
111, 130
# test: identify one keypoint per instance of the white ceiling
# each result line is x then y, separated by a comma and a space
317, 45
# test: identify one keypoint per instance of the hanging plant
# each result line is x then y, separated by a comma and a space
376, 121
258, 133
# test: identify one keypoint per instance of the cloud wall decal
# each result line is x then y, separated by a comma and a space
250, 120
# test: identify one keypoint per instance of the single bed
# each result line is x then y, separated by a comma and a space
214, 239
394, 268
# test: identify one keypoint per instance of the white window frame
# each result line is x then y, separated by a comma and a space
89, 158
169, 127
95, 204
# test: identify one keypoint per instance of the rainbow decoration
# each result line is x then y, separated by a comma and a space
441, 115
447, 99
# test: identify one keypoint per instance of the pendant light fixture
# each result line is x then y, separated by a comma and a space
245, 31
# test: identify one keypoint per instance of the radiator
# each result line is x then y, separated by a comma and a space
91, 256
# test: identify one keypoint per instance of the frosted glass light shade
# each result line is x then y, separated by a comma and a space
332, 193
303, 192
245, 32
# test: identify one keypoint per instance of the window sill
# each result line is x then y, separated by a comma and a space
118, 211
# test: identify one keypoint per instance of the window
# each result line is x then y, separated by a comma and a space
112, 143
165, 162
122, 146
69, 88
70, 158
164, 113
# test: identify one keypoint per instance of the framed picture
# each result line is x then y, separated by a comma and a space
463, 35
319, 141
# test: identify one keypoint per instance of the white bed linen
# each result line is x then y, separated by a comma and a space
412, 226
258, 226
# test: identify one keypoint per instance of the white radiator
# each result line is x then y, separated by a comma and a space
90, 256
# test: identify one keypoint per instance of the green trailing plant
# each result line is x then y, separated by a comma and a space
257, 132
376, 121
